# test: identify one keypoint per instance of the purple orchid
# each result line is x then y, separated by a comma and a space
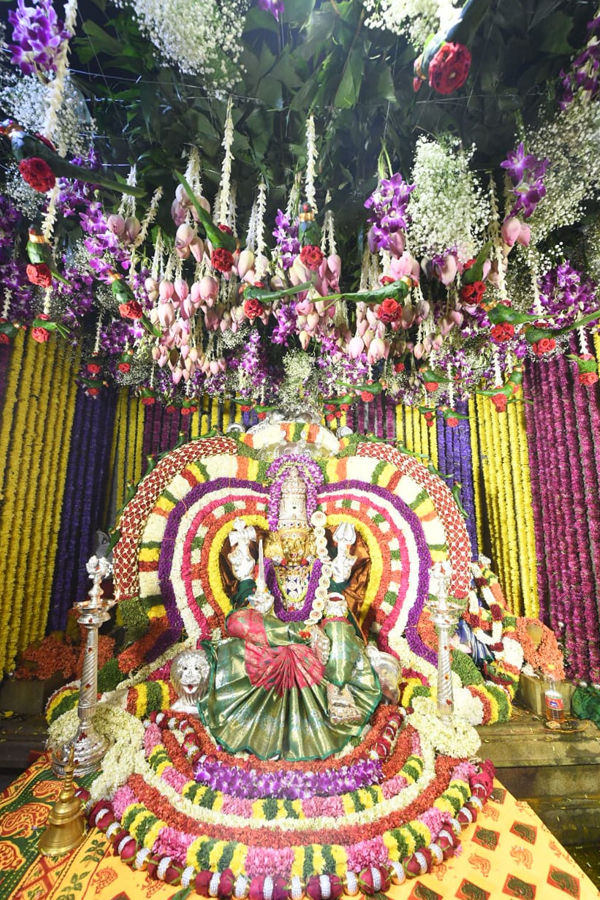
388, 217
38, 35
276, 7
527, 171
286, 235
584, 77
567, 294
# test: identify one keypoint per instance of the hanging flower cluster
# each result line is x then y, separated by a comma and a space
527, 173
38, 35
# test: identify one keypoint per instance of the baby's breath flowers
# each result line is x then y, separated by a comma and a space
414, 19
448, 208
202, 37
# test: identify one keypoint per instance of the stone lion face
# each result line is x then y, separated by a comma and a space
189, 673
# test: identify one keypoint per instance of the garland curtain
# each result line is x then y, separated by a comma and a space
86, 478
564, 447
37, 416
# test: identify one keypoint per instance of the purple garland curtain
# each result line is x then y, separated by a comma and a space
455, 459
563, 425
82, 504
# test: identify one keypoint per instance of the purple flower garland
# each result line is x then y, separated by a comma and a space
540, 514
249, 784
455, 458
83, 500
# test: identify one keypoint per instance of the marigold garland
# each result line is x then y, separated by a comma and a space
546, 656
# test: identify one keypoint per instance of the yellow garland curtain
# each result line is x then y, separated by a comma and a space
35, 436
499, 445
126, 462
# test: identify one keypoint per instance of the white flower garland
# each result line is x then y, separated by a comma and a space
126, 754
453, 736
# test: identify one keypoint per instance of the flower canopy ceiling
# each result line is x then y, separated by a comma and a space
302, 202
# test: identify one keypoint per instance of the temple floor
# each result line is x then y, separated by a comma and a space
509, 851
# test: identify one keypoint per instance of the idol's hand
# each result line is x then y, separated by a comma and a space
320, 643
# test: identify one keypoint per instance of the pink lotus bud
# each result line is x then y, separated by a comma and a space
182, 288
368, 336
449, 270
132, 227
371, 317
197, 248
245, 262
486, 269
305, 307
378, 349
166, 289
222, 364
361, 308
182, 252
189, 365
195, 293
204, 204
184, 236
408, 315
361, 327
166, 314
406, 265
312, 321
397, 243
511, 228
162, 360
186, 374
321, 286
418, 351
153, 315
151, 284
187, 308
155, 353
446, 325
356, 347
298, 273
304, 338
438, 342
209, 288
457, 317
214, 367
184, 351
334, 264
177, 375
116, 224
181, 195
178, 212
194, 354
524, 235
422, 310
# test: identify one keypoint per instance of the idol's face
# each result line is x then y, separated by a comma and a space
293, 546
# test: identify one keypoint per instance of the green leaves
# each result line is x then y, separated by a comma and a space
347, 93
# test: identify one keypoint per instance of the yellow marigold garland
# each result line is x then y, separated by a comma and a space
526, 524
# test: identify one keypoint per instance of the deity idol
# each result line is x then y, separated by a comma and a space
293, 678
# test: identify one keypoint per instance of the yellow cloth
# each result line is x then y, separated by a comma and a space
508, 852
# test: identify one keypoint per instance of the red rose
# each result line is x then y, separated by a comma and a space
503, 332
500, 401
170, 409
221, 259
94, 368
39, 334
472, 293
586, 378
253, 308
131, 310
186, 410
449, 68
4, 338
148, 401
38, 174
543, 346
388, 311
124, 367
93, 392
311, 257
431, 386
367, 396
451, 422
225, 229
40, 274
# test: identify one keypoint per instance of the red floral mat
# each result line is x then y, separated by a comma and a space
508, 852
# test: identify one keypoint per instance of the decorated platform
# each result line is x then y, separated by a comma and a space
508, 852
